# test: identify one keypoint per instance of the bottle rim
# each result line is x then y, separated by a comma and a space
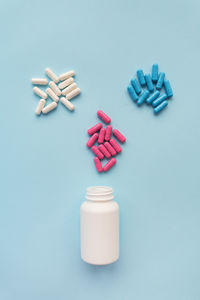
99, 193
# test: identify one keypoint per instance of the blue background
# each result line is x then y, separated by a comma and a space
46, 168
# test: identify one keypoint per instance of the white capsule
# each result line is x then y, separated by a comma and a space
49, 107
73, 94
55, 88
67, 103
51, 75
52, 94
66, 75
40, 106
39, 81
66, 83
40, 92
68, 89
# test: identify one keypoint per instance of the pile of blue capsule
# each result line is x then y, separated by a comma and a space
152, 86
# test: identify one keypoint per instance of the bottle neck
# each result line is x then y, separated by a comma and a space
99, 193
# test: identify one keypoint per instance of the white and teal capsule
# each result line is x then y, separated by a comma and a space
160, 107
151, 98
157, 101
143, 97
160, 81
136, 86
168, 88
149, 82
155, 73
141, 78
132, 93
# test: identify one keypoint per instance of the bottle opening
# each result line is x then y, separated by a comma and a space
99, 193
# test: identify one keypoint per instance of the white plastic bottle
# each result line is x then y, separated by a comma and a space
99, 226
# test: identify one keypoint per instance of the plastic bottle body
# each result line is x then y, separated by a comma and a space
100, 228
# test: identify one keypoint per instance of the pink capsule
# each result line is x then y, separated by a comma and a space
110, 164
103, 116
103, 149
98, 165
92, 140
95, 128
97, 152
115, 145
108, 132
101, 135
119, 135
110, 148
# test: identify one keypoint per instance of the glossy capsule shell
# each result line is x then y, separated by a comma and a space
149, 82
51, 75
105, 152
66, 75
151, 98
52, 95
115, 145
49, 107
92, 140
154, 74
143, 97
136, 86
66, 83
108, 132
73, 94
103, 116
55, 88
39, 81
160, 107
110, 148
69, 89
160, 81
67, 103
110, 164
141, 78
98, 164
160, 99
95, 128
97, 152
101, 135
119, 136
168, 88
40, 106
40, 92
132, 93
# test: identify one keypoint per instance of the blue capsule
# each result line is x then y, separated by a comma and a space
136, 86
160, 80
140, 76
155, 72
168, 88
151, 98
143, 97
149, 82
159, 100
160, 107
132, 93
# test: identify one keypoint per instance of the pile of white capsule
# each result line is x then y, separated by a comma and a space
62, 86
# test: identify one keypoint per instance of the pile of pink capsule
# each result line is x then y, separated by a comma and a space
107, 146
